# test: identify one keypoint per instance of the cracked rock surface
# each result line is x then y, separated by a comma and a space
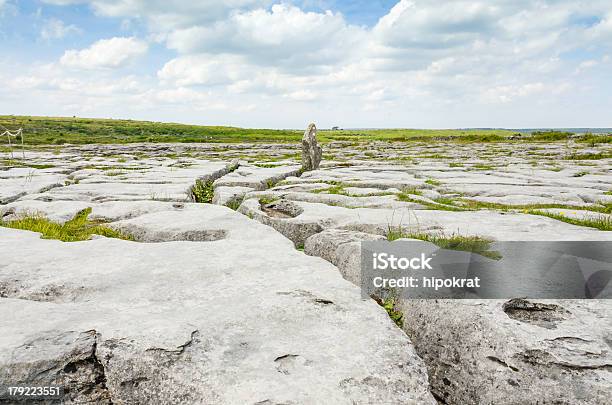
212, 305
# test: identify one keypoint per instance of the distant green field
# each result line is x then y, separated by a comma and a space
58, 131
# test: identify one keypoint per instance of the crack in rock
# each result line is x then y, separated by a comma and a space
179, 349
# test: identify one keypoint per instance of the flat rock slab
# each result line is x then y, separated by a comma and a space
163, 183
15, 183
514, 352
496, 225
257, 178
196, 322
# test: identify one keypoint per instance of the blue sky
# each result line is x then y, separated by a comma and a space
281, 64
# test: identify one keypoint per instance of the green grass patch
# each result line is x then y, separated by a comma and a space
78, 228
445, 201
267, 200
480, 166
455, 164
115, 173
74, 130
234, 203
551, 135
334, 190
63, 130
271, 183
593, 140
23, 163
580, 174
433, 182
430, 205
588, 156
337, 187
434, 156
603, 223
202, 191
603, 207
474, 244
412, 190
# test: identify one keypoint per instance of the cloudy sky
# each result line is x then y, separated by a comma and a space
281, 64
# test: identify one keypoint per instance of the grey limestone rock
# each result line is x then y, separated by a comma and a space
311, 151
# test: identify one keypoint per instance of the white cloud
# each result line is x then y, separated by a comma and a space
283, 36
57, 29
428, 25
164, 15
587, 64
105, 53
7, 8
203, 69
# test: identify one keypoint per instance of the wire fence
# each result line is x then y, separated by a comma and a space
14, 134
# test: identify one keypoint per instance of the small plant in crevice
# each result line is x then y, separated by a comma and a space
234, 203
266, 165
395, 233
434, 205
300, 247
333, 189
433, 182
202, 191
412, 190
482, 166
270, 183
389, 303
445, 201
266, 200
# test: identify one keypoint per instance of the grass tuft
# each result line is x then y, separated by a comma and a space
602, 222
21, 163
481, 166
78, 228
603, 207
580, 174
474, 244
267, 200
441, 204
412, 190
234, 203
588, 156
202, 191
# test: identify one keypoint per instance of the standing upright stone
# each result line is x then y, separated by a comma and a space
311, 151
